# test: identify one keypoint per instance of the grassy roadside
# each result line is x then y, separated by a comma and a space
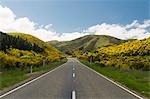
12, 77
133, 79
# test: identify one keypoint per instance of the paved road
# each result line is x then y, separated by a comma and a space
71, 76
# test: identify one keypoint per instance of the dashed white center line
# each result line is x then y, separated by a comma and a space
73, 94
73, 69
73, 75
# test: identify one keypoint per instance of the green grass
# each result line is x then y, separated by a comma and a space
138, 81
11, 77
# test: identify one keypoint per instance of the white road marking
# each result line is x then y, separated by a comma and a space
73, 75
19, 87
73, 95
73, 69
139, 97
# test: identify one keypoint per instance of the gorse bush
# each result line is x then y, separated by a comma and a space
129, 55
22, 50
19, 58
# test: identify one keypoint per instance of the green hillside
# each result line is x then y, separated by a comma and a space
86, 43
21, 50
33, 40
129, 55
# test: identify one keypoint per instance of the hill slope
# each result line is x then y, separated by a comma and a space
33, 40
21, 50
129, 55
86, 43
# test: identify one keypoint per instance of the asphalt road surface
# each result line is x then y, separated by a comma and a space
72, 78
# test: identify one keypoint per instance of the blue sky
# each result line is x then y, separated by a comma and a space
69, 19
76, 15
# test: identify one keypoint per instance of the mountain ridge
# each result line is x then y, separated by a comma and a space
86, 43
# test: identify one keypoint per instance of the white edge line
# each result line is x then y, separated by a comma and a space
73, 94
113, 82
19, 87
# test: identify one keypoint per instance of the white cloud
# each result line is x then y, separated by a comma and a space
6, 16
71, 36
134, 30
9, 23
22, 24
133, 24
48, 26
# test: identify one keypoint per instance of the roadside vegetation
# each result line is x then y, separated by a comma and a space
133, 79
20, 52
134, 55
15, 75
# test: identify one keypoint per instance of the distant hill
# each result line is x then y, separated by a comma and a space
86, 43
